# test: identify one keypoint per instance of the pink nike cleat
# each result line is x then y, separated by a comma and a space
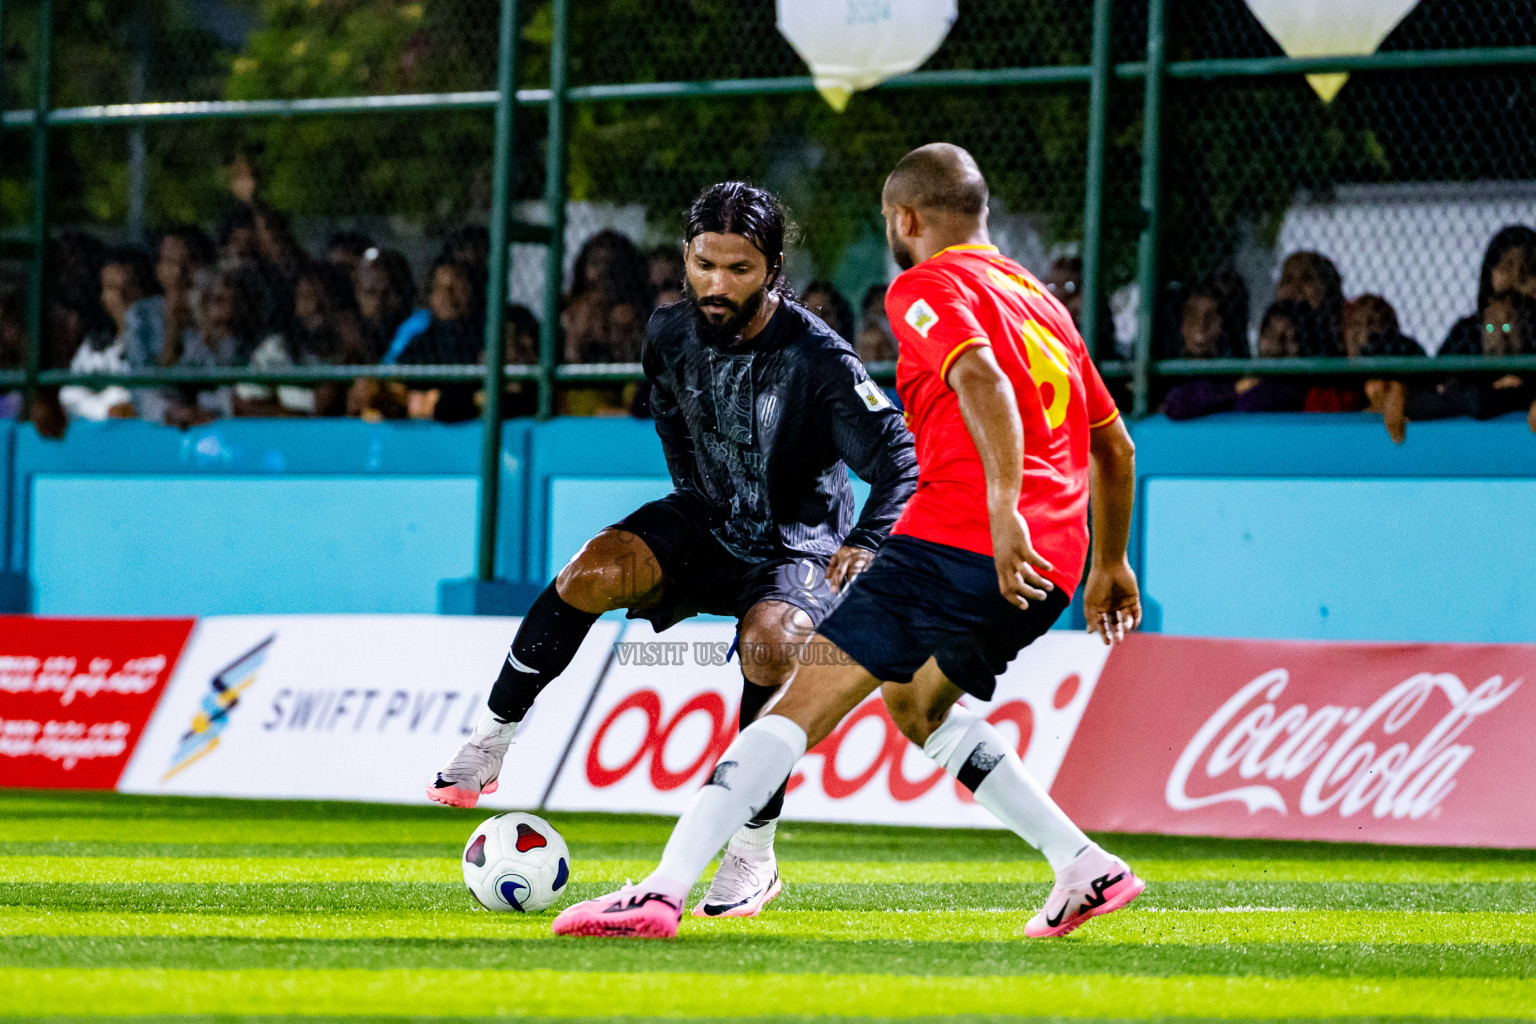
1095, 883
630, 913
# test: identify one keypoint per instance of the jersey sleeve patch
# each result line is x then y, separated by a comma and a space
872, 395
921, 317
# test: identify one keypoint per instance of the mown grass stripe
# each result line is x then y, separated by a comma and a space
279, 897
1029, 869
779, 955
1135, 926
131, 992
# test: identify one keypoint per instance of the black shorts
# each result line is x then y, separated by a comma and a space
922, 600
703, 577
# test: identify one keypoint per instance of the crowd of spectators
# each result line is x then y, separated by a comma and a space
1309, 316
252, 297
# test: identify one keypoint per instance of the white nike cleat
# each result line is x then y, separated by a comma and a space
1095, 883
744, 884
471, 773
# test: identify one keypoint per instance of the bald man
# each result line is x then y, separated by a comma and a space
1011, 421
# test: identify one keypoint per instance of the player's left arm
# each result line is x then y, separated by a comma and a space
1111, 597
870, 436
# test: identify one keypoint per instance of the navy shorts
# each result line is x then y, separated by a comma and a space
703, 577
922, 600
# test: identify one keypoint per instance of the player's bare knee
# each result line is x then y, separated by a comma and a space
612, 570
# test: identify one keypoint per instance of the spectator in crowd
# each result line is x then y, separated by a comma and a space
231, 330
1064, 280
1508, 329
821, 298
237, 237
126, 278
346, 249
1290, 328
1312, 279
325, 332
666, 269
1370, 329
604, 321
454, 337
609, 301
183, 269
1509, 264
875, 342
1211, 326
520, 347
282, 260
471, 246
385, 294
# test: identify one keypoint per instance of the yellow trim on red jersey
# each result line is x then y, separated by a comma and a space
967, 343
1106, 421
967, 247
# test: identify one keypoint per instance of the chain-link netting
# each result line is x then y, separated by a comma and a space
1398, 178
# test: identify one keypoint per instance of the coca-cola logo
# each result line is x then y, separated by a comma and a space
1345, 753
674, 751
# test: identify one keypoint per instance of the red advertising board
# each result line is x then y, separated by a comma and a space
75, 694
1379, 743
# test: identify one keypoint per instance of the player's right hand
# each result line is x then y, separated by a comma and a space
1018, 564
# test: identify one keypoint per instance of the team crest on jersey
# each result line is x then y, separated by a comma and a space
921, 317
874, 398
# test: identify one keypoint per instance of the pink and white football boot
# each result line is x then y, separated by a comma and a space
1095, 883
471, 773
630, 913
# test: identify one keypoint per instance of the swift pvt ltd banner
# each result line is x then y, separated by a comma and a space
1395, 743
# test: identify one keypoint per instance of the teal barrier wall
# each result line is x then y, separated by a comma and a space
1243, 528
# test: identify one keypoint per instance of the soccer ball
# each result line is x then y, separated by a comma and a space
517, 862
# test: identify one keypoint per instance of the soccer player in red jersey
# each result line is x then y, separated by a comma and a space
1011, 422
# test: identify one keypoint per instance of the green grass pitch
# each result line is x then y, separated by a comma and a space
121, 907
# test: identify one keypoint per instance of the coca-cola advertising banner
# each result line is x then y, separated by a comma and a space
1380, 743
75, 694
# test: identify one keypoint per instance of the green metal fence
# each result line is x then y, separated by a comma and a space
1149, 131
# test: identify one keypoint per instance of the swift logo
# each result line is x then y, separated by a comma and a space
1348, 773
224, 691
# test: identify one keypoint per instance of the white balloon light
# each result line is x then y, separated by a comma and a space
851, 45
1329, 28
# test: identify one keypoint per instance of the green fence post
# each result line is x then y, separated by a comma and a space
42, 74
1146, 251
1093, 201
554, 202
496, 295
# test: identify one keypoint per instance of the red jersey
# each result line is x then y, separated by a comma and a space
972, 295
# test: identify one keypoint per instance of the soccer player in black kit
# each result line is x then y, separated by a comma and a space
761, 409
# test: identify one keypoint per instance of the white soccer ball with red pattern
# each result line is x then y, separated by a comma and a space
516, 861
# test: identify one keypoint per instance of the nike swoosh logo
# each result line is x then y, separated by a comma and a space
1052, 922
512, 660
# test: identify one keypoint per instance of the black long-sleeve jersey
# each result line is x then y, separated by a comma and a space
765, 433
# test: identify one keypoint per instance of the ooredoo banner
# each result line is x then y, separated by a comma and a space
350, 707
1380, 743
668, 705
75, 694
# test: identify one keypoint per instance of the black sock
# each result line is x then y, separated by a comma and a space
548, 639
753, 699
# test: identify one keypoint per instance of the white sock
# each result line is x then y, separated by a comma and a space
971, 750
488, 725
753, 842
747, 776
